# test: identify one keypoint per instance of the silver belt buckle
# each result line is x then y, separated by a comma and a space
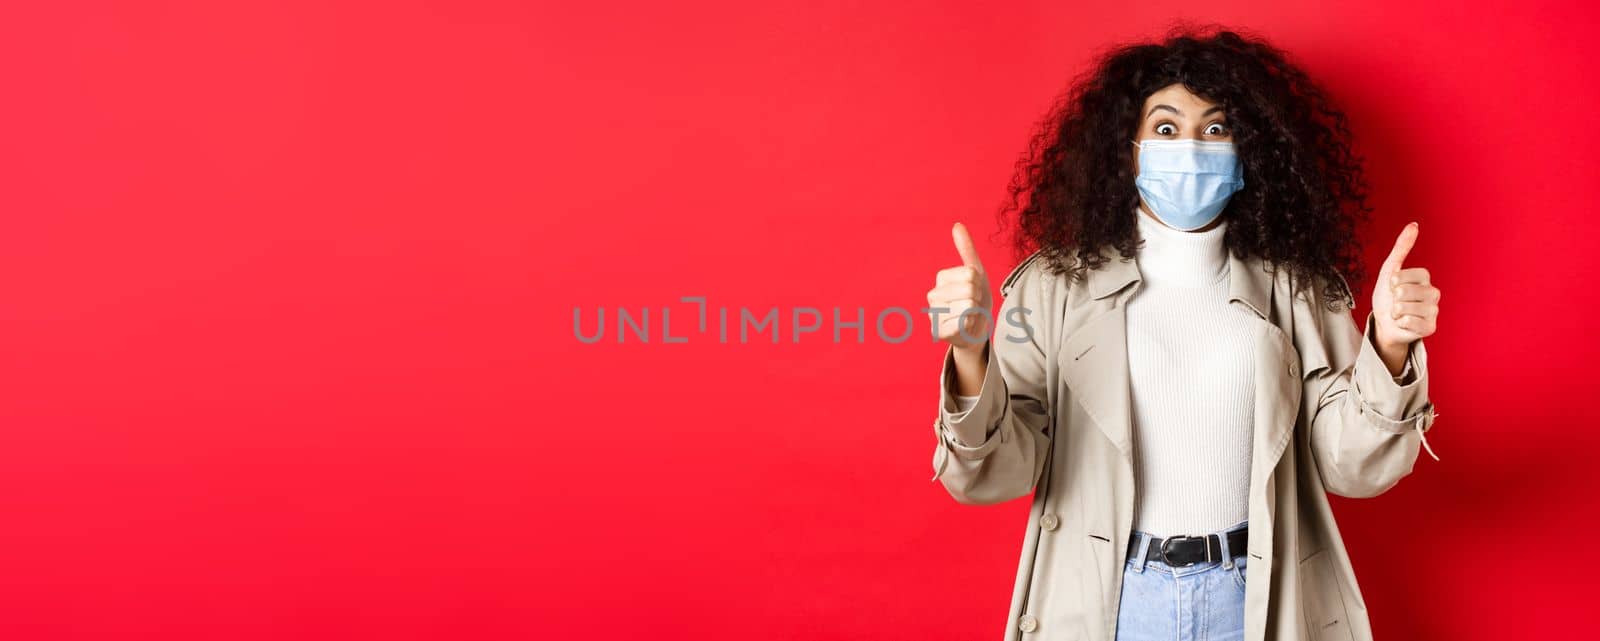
1168, 541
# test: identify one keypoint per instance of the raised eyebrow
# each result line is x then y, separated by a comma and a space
1156, 108
1172, 109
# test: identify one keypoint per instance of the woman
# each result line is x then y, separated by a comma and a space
1179, 379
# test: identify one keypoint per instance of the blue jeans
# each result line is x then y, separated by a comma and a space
1200, 602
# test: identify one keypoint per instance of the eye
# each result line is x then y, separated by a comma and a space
1166, 129
1216, 129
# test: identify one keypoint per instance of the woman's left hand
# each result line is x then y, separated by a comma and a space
1404, 303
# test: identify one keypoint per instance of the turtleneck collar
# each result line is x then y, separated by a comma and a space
1182, 258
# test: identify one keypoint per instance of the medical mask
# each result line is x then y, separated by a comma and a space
1186, 183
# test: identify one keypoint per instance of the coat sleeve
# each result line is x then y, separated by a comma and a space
995, 451
1366, 427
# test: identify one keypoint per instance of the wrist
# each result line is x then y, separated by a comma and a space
1394, 355
974, 353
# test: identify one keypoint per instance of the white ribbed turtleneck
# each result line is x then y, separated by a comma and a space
1191, 376
1181, 258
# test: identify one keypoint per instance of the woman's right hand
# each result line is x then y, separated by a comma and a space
957, 290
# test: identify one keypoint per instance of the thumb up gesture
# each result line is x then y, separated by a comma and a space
1404, 303
958, 289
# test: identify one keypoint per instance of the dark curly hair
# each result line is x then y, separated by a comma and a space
1304, 192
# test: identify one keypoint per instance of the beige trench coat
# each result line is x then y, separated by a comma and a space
1054, 413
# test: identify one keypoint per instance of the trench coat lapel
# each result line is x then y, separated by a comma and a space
1094, 361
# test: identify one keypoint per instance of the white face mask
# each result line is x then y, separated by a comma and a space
1186, 183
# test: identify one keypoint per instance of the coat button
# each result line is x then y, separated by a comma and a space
1292, 368
1028, 623
1049, 522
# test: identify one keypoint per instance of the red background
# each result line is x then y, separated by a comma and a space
287, 296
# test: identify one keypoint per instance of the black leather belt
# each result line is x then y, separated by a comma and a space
1179, 551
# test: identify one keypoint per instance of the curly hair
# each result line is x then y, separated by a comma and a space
1304, 192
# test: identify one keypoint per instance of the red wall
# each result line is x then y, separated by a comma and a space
287, 295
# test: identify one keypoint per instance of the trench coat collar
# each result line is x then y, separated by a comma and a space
1249, 279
